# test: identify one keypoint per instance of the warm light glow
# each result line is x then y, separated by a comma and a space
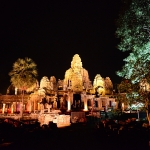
38, 106
63, 120
30, 107
60, 120
12, 109
69, 104
85, 104
16, 91
76, 75
123, 106
3, 110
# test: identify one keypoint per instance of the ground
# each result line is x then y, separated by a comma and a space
78, 136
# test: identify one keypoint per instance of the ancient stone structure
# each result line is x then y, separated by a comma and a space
53, 83
75, 91
45, 85
144, 85
99, 84
108, 86
76, 78
103, 86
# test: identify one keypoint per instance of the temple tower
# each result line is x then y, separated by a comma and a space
76, 78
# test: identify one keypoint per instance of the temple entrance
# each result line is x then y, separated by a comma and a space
77, 101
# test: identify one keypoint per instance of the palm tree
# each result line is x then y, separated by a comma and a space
23, 76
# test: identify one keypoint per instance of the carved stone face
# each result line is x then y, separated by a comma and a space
45, 82
76, 63
77, 66
53, 79
75, 76
98, 81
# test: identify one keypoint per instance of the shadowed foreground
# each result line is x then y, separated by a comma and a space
77, 136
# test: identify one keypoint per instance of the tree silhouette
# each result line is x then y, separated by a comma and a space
134, 33
23, 76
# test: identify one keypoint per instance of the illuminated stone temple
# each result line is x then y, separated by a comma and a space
76, 77
76, 92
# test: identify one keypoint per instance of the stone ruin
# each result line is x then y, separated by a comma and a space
74, 91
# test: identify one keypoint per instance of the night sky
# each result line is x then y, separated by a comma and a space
51, 32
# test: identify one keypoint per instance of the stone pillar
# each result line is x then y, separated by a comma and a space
24, 107
61, 103
16, 91
55, 104
71, 97
3, 110
92, 104
38, 106
42, 108
69, 103
30, 106
16, 103
16, 106
85, 103
34, 105
49, 107
99, 103
122, 106
21, 109
19, 106
12, 109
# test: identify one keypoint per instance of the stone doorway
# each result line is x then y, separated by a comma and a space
77, 101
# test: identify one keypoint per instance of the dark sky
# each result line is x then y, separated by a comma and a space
51, 32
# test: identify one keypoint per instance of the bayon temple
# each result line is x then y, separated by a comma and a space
75, 92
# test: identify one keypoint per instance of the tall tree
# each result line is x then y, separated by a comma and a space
23, 75
128, 93
134, 33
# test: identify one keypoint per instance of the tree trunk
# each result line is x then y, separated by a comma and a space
147, 112
148, 117
22, 108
